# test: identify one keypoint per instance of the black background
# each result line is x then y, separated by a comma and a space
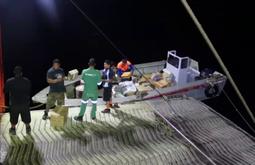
144, 30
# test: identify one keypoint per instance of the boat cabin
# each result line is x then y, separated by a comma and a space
184, 69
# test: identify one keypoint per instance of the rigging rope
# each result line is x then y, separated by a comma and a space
217, 56
239, 113
177, 130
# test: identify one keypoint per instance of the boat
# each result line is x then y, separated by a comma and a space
184, 78
164, 123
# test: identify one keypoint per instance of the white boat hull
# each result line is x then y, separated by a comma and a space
195, 89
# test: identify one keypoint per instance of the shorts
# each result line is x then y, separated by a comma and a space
54, 97
23, 110
107, 95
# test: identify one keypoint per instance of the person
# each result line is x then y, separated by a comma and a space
18, 88
108, 76
125, 66
55, 78
92, 79
114, 82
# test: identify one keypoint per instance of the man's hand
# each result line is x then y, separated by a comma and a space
59, 80
107, 80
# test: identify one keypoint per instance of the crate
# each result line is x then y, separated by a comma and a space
57, 120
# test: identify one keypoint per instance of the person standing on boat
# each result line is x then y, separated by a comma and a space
92, 79
108, 76
125, 66
114, 82
18, 88
55, 78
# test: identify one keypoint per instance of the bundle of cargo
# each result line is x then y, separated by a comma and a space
144, 88
126, 75
158, 80
58, 116
160, 84
168, 77
156, 76
126, 88
79, 90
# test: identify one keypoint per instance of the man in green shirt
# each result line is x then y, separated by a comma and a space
91, 78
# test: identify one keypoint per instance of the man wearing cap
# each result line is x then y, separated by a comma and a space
55, 78
18, 88
91, 78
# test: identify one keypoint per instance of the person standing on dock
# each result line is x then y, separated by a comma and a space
55, 78
18, 88
108, 75
92, 79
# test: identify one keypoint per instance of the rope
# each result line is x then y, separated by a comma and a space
239, 113
217, 56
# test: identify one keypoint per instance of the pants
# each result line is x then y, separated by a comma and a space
23, 110
84, 103
54, 97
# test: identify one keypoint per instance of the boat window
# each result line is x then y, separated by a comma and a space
173, 61
184, 63
194, 64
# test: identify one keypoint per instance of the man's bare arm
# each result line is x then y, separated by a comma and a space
54, 81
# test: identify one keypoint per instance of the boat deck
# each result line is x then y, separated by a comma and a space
132, 134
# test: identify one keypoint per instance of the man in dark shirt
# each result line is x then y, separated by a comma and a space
18, 88
108, 75
55, 78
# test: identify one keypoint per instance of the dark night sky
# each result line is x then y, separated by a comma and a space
143, 30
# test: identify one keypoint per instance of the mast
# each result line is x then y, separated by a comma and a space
2, 99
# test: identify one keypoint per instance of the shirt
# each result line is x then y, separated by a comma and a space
18, 90
91, 78
56, 74
108, 74
128, 67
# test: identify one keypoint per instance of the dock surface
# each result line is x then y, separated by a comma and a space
132, 134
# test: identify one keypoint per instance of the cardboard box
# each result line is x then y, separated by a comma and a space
59, 116
62, 110
160, 84
73, 74
56, 120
